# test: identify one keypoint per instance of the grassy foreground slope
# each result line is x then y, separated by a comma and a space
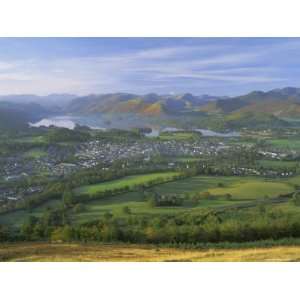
77, 252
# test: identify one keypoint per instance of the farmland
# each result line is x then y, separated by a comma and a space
129, 181
241, 190
179, 136
171, 190
277, 163
35, 153
253, 189
285, 143
240, 187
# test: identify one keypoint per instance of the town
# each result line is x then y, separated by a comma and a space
49, 162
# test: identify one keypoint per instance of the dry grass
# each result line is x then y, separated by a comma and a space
136, 253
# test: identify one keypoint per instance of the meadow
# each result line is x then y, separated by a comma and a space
128, 181
285, 143
277, 163
179, 136
30, 139
241, 189
35, 153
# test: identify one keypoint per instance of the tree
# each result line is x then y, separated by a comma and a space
151, 202
62, 234
28, 227
4, 233
68, 197
206, 195
78, 208
296, 199
228, 196
126, 210
262, 208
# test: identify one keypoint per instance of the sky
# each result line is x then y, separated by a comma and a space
214, 66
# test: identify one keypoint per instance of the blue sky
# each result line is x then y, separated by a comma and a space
216, 66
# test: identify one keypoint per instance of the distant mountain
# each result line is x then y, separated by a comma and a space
278, 102
255, 109
145, 105
17, 115
51, 101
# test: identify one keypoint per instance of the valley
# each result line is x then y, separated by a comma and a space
160, 172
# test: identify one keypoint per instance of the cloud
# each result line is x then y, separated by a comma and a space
145, 70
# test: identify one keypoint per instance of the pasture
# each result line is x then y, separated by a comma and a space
128, 181
242, 189
35, 153
17, 218
285, 143
277, 163
239, 187
253, 189
179, 136
30, 139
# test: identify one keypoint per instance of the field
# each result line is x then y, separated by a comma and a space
188, 159
129, 181
35, 153
239, 187
30, 139
285, 143
253, 189
42, 252
17, 218
179, 136
242, 190
277, 163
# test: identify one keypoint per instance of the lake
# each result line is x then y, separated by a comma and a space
100, 123
69, 122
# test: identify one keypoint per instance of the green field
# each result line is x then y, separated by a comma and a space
17, 218
253, 189
129, 181
188, 159
242, 190
285, 143
178, 136
30, 139
277, 163
239, 187
294, 180
193, 184
35, 153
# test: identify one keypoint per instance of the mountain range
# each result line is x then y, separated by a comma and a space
257, 107
278, 102
147, 105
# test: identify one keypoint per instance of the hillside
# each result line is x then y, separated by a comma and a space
17, 116
279, 102
147, 105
